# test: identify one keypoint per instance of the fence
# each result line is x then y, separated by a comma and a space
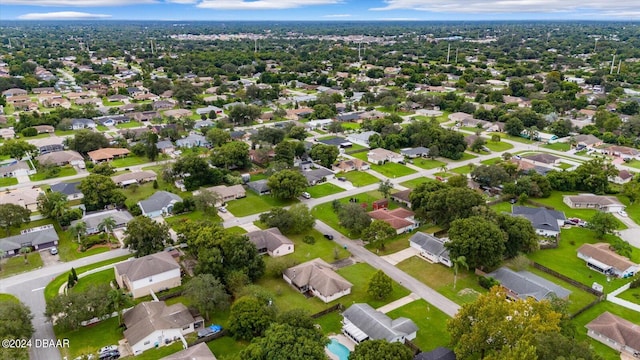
416, 350
589, 306
568, 280
209, 337
616, 300
336, 307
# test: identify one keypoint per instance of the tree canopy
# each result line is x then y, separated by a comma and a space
145, 236
287, 184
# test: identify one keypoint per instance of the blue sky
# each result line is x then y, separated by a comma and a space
355, 10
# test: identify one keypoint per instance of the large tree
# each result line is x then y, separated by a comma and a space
206, 201
196, 172
250, 318
521, 236
69, 310
206, 293
231, 155
84, 141
17, 149
380, 285
15, 323
489, 175
218, 137
353, 217
325, 155
492, 326
244, 114
145, 236
12, 215
380, 350
378, 233
446, 205
480, 241
287, 184
602, 223
53, 204
100, 191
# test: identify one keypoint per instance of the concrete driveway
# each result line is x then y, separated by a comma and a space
48, 259
632, 233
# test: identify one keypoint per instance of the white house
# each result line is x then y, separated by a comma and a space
362, 322
271, 242
601, 259
380, 156
589, 201
155, 272
361, 138
318, 278
616, 332
120, 217
159, 204
546, 222
431, 248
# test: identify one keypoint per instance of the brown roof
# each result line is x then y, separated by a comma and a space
136, 175
625, 174
394, 218
402, 195
543, 158
594, 199
617, 329
107, 153
147, 266
601, 252
319, 275
149, 316
270, 239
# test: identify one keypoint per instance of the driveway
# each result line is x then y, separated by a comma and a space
48, 259
401, 255
632, 233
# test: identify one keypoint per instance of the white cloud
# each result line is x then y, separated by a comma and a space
63, 15
629, 7
77, 3
262, 4
333, 16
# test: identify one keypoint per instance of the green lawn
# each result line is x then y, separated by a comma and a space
558, 146
102, 128
359, 178
16, 265
89, 339
491, 161
564, 166
350, 126
135, 194
356, 148
632, 295
322, 248
463, 170
431, 322
128, 125
101, 277
161, 352
415, 182
64, 132
498, 146
8, 297
195, 215
578, 298
130, 160
427, 164
8, 181
400, 242
392, 170
255, 204
330, 323
555, 201
64, 171
466, 156
226, 348
632, 210
322, 190
236, 230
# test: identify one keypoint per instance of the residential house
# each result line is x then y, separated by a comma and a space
601, 258
402, 220
227, 193
615, 332
49, 144
196, 352
7, 133
622, 152
107, 154
159, 204
93, 220
431, 248
38, 238
259, 186
271, 242
589, 201
439, 353
546, 222
193, 140
26, 197
496, 127
623, 177
152, 324
320, 123
318, 175
361, 138
586, 114
15, 169
337, 142
155, 272
61, 158
361, 322
77, 124
347, 165
380, 156
350, 117
136, 177
69, 189
403, 197
178, 113
587, 140
43, 90
208, 109
14, 92
44, 129
317, 278
459, 117
524, 285
416, 152
542, 158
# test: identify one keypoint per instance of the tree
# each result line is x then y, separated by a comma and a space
380, 350
244, 114
206, 201
480, 241
521, 236
513, 127
269, 135
335, 127
103, 169
145, 236
285, 152
17, 149
489, 175
231, 155
250, 318
492, 326
16, 320
218, 137
278, 217
119, 301
100, 191
354, 217
478, 144
107, 225
631, 190
445, 205
85, 140
377, 233
12, 215
602, 223
298, 133
287, 184
326, 155
69, 310
302, 219
460, 181
551, 346
284, 341
380, 286
207, 294
53, 204
385, 188
78, 230
458, 262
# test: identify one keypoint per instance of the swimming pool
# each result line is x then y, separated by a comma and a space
338, 349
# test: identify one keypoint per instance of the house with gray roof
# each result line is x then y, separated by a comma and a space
415, 152
155, 272
70, 189
159, 204
523, 285
318, 175
271, 242
317, 278
77, 124
336, 141
439, 353
259, 186
15, 169
166, 146
93, 220
431, 248
362, 322
136, 177
193, 140
61, 158
546, 222
35, 238
196, 352
361, 138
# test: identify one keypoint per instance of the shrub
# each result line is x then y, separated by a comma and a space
635, 283
487, 282
28, 132
308, 239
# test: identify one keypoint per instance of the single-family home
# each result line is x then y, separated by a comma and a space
402, 220
439, 353
347, 165
362, 322
271, 242
39, 238
136, 177
166, 146
337, 142
61, 158
193, 140
259, 186
316, 277
159, 204
622, 152
178, 113
416, 152
615, 332
208, 109
403, 197
318, 175
26, 197
542, 158
380, 156
15, 169
44, 129
523, 285
93, 220
431, 248
7, 133
77, 124
14, 92
320, 123
589, 201
107, 154
546, 222
601, 258
196, 352
49, 144
152, 324
459, 117
227, 193
361, 138
155, 272
70, 189
587, 141
623, 177
163, 105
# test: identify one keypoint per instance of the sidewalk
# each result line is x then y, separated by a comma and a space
398, 303
400, 256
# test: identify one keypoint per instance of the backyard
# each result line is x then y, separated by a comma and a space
431, 322
128, 125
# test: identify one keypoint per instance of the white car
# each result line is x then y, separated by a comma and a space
306, 195
53, 251
104, 349
622, 213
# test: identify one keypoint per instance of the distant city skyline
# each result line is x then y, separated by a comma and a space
319, 10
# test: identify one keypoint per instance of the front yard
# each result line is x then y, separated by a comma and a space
322, 190
255, 204
16, 265
359, 178
64, 171
392, 170
8, 181
130, 160
128, 125
498, 146
427, 164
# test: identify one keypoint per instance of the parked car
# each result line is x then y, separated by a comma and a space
53, 251
328, 236
622, 213
109, 355
342, 178
583, 223
212, 329
306, 195
107, 348
222, 209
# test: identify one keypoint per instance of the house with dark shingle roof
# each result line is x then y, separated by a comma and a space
196, 352
403, 197
546, 222
155, 272
523, 285
439, 353
158, 204
415, 152
70, 189
615, 332
361, 322
259, 186
431, 248
316, 277
120, 217
35, 238
271, 242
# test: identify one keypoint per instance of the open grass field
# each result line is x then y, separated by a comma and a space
255, 204
322, 190
466, 156
130, 160
101, 277
632, 295
89, 339
427, 164
64, 171
498, 146
431, 322
558, 146
359, 178
129, 125
392, 170
412, 184
226, 348
9, 181
191, 216
491, 161
16, 264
